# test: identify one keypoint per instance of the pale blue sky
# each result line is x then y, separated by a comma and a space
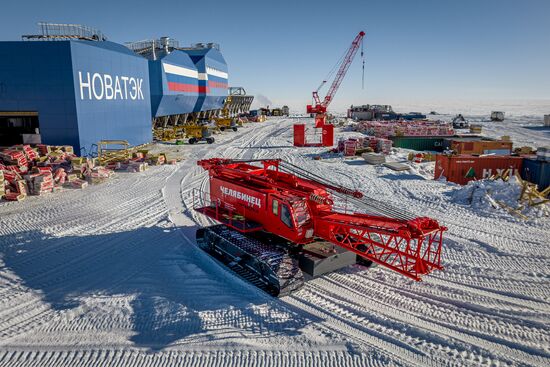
415, 50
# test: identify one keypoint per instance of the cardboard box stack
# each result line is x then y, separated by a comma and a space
2, 185
385, 129
40, 182
98, 174
384, 146
140, 161
34, 171
357, 146
25, 170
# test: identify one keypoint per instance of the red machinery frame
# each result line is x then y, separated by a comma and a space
300, 138
411, 247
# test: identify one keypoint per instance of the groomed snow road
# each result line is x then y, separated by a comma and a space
110, 276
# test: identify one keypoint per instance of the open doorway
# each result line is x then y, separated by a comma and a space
18, 127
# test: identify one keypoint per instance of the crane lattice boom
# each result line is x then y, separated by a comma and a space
343, 69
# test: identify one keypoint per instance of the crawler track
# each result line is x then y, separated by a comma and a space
266, 266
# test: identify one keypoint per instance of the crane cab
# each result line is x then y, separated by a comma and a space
247, 209
290, 218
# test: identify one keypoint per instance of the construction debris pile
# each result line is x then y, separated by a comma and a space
36, 171
386, 129
359, 145
516, 196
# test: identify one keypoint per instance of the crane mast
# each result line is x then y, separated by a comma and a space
320, 107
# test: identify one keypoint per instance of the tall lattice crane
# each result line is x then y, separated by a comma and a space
320, 107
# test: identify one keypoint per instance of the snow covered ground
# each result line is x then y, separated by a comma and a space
524, 130
110, 276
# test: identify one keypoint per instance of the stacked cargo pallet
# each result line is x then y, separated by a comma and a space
359, 145
27, 171
386, 129
36, 171
2, 185
374, 158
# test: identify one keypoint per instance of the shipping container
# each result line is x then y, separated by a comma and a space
447, 142
536, 171
420, 143
480, 146
461, 169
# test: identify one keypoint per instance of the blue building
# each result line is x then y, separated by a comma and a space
73, 91
213, 76
69, 85
184, 81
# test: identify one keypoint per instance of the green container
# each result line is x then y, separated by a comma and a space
420, 143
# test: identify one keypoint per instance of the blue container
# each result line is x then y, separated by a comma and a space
537, 172
174, 83
213, 78
82, 91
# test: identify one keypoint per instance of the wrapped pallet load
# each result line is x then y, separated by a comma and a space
2, 186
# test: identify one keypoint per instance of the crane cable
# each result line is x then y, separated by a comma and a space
363, 59
367, 203
334, 68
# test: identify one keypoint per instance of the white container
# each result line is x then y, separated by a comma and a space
547, 120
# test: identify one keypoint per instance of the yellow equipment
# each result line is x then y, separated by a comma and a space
225, 121
197, 133
194, 131
112, 151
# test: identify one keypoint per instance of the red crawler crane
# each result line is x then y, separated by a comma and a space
320, 108
297, 208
